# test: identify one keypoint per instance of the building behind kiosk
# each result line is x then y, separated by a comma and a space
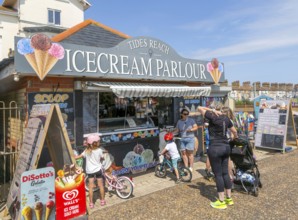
122, 88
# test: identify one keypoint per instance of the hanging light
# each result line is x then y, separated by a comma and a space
16, 77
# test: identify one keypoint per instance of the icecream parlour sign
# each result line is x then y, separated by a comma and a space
136, 58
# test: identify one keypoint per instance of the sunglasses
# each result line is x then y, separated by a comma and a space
185, 114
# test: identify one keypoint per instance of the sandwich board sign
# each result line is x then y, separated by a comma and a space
45, 141
38, 194
275, 128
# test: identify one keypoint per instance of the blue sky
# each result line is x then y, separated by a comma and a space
256, 40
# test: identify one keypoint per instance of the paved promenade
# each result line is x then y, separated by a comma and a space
153, 196
277, 199
148, 183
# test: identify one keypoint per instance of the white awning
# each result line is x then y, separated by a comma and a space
127, 90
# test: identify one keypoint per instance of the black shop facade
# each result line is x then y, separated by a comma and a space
126, 94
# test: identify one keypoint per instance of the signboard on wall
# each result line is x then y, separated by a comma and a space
66, 105
276, 128
192, 104
45, 125
138, 58
207, 101
90, 112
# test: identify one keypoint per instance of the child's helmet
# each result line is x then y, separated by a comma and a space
93, 138
168, 136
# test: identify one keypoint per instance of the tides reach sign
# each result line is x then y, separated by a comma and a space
135, 58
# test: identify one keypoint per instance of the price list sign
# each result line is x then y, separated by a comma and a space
273, 124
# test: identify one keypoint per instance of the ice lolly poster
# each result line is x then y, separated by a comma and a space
38, 194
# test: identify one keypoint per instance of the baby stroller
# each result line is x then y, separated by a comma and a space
246, 172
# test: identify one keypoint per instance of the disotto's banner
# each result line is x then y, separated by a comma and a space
38, 194
137, 58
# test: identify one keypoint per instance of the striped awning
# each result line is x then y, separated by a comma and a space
128, 90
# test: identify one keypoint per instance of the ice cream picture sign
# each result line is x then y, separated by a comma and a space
70, 192
38, 194
40, 53
215, 69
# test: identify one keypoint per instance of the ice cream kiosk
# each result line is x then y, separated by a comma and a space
122, 88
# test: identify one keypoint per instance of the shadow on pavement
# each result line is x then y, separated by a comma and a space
208, 191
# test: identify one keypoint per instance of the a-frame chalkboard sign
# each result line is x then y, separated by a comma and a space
45, 141
275, 128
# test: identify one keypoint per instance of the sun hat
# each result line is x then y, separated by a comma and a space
93, 138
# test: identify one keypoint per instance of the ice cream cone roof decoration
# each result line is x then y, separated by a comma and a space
56, 51
214, 63
215, 69
40, 53
41, 42
24, 46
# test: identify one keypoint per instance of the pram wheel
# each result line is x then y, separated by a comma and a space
260, 184
255, 191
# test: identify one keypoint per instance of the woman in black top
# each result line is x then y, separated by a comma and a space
219, 151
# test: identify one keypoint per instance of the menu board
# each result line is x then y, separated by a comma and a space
65, 102
45, 125
275, 125
25, 161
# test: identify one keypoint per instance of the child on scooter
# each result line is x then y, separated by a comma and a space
171, 148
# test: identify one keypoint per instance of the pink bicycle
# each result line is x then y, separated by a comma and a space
122, 185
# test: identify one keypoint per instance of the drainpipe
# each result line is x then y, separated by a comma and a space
78, 113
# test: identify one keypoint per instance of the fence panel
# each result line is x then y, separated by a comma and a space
11, 135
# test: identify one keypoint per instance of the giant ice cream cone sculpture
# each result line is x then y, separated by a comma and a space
49, 207
215, 69
40, 53
27, 213
38, 208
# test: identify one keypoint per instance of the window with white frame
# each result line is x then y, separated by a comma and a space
54, 16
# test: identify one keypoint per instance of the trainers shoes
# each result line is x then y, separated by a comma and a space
178, 181
229, 201
209, 174
218, 204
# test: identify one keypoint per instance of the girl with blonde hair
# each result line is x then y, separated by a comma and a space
94, 157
